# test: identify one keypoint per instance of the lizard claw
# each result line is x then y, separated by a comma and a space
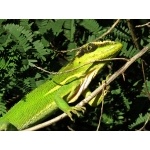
75, 110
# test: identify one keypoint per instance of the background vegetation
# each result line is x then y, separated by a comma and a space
41, 42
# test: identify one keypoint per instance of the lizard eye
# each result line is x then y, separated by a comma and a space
86, 49
89, 47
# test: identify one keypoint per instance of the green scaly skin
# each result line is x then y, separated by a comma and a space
64, 87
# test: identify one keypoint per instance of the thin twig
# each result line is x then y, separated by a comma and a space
100, 118
94, 61
94, 93
110, 29
71, 50
144, 124
146, 24
97, 39
70, 128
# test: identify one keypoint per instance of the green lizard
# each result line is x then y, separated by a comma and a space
65, 87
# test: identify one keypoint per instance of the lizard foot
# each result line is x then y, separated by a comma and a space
75, 110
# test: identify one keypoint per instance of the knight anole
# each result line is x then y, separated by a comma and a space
64, 88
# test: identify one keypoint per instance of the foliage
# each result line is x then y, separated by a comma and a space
24, 43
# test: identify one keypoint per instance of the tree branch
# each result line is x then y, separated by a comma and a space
94, 93
133, 34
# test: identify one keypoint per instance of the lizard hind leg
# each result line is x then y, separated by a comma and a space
94, 102
99, 97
